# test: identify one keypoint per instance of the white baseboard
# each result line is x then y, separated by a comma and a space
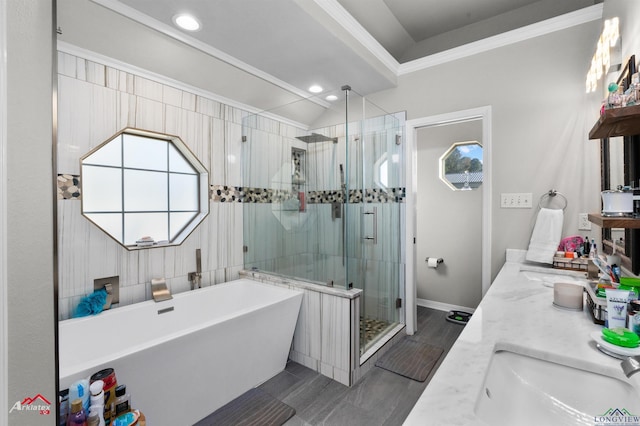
443, 306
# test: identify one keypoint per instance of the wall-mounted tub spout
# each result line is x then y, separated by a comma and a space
159, 290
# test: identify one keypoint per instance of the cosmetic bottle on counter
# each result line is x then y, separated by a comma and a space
586, 246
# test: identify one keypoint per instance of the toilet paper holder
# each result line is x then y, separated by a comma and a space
438, 260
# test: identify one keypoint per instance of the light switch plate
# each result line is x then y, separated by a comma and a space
519, 200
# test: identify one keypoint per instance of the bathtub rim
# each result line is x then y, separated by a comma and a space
65, 372
298, 283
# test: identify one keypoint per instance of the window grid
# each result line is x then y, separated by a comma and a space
123, 212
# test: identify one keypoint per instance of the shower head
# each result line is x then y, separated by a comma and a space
316, 137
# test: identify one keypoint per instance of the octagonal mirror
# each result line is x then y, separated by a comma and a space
144, 189
461, 166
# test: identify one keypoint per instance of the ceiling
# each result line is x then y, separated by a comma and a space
362, 43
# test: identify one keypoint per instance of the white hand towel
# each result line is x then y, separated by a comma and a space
546, 236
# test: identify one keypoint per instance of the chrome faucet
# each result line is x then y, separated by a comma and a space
631, 365
195, 278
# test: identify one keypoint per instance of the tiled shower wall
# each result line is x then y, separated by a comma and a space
96, 101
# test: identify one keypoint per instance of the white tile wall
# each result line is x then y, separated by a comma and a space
326, 338
97, 101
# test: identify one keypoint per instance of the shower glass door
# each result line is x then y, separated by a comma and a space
374, 211
326, 205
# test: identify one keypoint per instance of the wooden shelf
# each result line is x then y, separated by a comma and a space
614, 222
624, 121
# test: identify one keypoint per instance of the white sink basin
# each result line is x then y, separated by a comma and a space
522, 390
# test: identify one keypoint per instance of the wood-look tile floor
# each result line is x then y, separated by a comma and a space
379, 398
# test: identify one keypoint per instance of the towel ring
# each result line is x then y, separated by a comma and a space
549, 196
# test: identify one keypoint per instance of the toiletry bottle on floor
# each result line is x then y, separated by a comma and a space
123, 400
77, 416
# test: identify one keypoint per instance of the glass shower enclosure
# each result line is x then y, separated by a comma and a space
326, 205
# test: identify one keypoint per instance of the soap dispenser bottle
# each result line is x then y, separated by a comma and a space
593, 252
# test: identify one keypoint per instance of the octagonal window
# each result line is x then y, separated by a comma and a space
461, 166
144, 189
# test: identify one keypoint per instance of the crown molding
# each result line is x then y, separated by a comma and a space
349, 23
357, 31
172, 32
80, 52
568, 20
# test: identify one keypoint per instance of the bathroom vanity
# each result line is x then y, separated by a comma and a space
519, 358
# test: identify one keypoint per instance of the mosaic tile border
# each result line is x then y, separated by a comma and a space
69, 189
223, 193
239, 194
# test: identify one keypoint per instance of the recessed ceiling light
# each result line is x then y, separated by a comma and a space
315, 89
186, 22
331, 98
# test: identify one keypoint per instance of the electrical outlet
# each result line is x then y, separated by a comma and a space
516, 200
583, 222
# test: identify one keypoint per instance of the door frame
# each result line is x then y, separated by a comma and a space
4, 327
411, 179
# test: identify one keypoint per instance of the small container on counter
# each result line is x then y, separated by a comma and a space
568, 295
633, 316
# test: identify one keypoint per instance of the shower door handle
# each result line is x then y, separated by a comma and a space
375, 225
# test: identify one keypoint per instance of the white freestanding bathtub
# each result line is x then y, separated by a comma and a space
182, 359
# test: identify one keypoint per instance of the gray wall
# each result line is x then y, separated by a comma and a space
540, 121
449, 223
30, 260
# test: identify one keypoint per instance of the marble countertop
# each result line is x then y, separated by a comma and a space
516, 313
